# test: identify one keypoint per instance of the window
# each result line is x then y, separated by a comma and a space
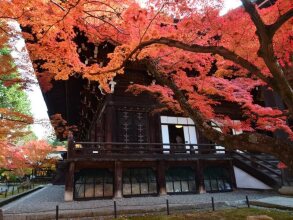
93, 183
217, 179
180, 132
132, 126
180, 180
139, 181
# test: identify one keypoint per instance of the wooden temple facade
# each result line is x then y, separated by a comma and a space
123, 147
127, 149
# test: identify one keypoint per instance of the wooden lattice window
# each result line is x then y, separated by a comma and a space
93, 183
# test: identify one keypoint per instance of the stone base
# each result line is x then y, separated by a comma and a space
68, 196
286, 190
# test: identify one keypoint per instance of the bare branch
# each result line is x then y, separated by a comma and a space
156, 15
59, 6
101, 18
61, 19
103, 3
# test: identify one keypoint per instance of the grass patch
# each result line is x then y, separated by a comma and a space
227, 214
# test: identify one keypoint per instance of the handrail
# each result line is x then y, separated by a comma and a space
133, 143
268, 163
81, 149
257, 162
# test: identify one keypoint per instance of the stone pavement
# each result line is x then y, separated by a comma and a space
42, 203
280, 202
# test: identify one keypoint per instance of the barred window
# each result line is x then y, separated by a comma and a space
217, 179
180, 180
139, 181
93, 183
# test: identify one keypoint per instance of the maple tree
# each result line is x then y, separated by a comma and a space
22, 159
200, 59
36, 153
14, 107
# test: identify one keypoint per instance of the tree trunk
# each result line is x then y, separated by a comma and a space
252, 141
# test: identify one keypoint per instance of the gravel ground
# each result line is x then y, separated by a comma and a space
46, 199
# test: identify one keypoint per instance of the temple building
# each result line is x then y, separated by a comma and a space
123, 147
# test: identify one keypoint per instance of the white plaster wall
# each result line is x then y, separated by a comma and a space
244, 180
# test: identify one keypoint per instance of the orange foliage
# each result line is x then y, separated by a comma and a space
36, 152
13, 124
188, 44
60, 126
33, 154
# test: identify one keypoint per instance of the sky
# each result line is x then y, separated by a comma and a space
42, 127
38, 106
229, 5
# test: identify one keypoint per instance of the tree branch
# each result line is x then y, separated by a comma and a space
27, 122
273, 28
262, 31
195, 48
266, 51
61, 19
150, 23
101, 18
247, 141
59, 6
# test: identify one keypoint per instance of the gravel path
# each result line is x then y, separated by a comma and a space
46, 199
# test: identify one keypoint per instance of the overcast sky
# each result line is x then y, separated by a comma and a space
25, 68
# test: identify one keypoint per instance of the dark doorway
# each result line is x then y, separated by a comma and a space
176, 136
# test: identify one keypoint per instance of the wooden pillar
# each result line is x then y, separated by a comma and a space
69, 183
118, 180
70, 145
161, 178
200, 177
110, 126
110, 122
232, 175
1, 214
